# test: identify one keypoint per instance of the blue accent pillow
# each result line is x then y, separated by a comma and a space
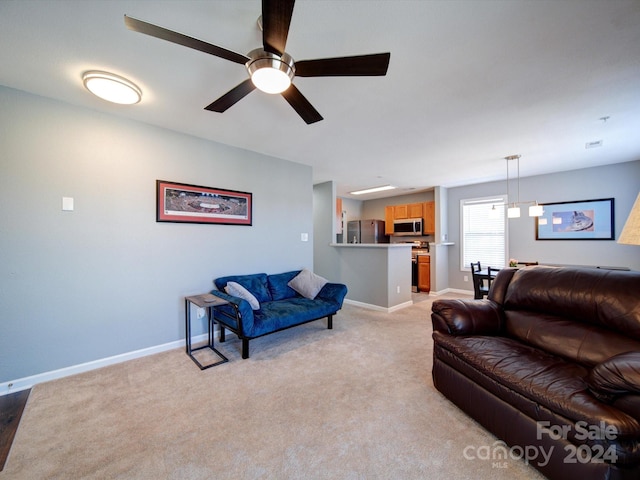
278, 285
256, 284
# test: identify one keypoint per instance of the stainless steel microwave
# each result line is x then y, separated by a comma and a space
407, 227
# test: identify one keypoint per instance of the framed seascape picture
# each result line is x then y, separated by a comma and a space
183, 203
581, 220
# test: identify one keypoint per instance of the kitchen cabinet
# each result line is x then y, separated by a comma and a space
389, 217
424, 210
424, 273
400, 212
429, 223
339, 225
415, 210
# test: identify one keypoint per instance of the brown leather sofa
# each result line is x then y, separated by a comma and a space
550, 364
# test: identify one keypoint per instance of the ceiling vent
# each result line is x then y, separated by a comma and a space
597, 143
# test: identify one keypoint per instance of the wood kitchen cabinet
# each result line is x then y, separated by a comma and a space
424, 273
389, 217
415, 210
400, 212
429, 223
424, 210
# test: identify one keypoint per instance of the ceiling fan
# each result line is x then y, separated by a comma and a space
270, 68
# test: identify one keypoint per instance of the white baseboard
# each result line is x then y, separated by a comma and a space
454, 290
20, 384
378, 308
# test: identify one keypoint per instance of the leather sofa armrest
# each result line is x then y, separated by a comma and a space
467, 317
616, 376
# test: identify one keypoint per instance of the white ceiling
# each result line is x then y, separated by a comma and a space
469, 81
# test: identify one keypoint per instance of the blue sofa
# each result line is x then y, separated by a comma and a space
280, 306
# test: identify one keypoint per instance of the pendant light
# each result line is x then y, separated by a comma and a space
513, 208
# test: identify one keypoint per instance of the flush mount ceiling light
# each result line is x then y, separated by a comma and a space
111, 87
513, 208
372, 190
269, 72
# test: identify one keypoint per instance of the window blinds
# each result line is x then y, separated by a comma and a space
483, 232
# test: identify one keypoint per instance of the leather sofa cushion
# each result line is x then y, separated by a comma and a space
580, 342
545, 379
606, 298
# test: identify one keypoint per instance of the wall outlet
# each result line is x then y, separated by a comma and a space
304, 237
67, 204
200, 313
466, 278
398, 289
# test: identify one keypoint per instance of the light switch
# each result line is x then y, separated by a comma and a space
67, 204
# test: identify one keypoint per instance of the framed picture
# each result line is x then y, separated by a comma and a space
582, 220
183, 203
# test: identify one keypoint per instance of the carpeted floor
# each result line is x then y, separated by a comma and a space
355, 402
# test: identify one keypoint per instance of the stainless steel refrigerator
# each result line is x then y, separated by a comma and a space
366, 231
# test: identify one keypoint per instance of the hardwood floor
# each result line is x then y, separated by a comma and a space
11, 408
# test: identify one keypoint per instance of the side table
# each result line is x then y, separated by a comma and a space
208, 302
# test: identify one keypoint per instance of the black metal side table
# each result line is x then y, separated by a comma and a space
208, 302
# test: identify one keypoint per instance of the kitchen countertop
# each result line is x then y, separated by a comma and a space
371, 245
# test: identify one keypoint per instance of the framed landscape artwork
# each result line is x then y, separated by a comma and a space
580, 220
183, 203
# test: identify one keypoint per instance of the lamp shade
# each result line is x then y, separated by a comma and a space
631, 232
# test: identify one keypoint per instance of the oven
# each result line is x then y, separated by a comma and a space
418, 248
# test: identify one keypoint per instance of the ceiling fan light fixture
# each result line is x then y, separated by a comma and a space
111, 87
269, 72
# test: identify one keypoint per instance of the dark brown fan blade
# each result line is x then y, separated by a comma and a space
276, 18
232, 96
361, 65
301, 105
175, 37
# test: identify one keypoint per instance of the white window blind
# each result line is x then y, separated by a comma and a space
483, 232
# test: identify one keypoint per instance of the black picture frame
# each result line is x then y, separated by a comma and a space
577, 220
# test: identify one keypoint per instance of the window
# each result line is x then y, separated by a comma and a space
483, 232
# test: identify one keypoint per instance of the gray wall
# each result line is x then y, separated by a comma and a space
106, 279
620, 181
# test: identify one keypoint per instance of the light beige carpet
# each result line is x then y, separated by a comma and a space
355, 402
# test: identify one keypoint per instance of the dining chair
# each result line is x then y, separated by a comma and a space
491, 275
479, 289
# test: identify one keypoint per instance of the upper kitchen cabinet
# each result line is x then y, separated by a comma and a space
429, 212
389, 217
400, 212
424, 210
415, 210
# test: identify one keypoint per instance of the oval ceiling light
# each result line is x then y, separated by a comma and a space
269, 72
111, 87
